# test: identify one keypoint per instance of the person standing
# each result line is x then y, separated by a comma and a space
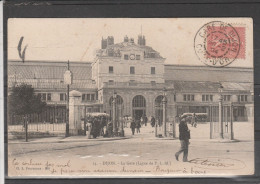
184, 137
193, 120
152, 121
145, 120
138, 125
110, 128
132, 126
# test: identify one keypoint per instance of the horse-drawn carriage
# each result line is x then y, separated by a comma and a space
96, 124
199, 117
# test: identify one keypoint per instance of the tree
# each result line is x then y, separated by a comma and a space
24, 101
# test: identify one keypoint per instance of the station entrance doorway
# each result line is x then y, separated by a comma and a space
138, 106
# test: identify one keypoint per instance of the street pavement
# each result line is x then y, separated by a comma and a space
139, 147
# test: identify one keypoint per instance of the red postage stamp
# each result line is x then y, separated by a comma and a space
219, 44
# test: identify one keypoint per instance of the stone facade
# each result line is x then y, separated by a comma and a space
133, 69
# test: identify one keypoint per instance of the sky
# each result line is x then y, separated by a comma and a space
77, 39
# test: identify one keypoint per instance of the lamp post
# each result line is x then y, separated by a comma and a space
164, 101
231, 122
114, 113
122, 132
220, 114
68, 81
174, 115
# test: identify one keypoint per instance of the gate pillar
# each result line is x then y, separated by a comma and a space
75, 110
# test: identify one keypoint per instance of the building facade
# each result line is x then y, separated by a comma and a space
139, 77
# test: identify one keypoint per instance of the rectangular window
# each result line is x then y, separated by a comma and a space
211, 98
111, 69
126, 57
137, 57
83, 97
188, 97
132, 70
207, 98
242, 98
96, 95
43, 96
49, 96
227, 97
62, 97
203, 98
152, 70
92, 97
245, 98
88, 97
184, 97
174, 96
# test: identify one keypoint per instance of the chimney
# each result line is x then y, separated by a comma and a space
110, 40
132, 40
141, 40
103, 43
126, 38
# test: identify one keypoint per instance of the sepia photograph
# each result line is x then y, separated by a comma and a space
130, 97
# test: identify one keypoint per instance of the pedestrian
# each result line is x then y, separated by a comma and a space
102, 125
110, 128
132, 126
152, 121
193, 119
89, 127
138, 125
145, 120
142, 121
184, 137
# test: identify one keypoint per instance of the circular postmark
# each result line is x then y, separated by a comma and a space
217, 44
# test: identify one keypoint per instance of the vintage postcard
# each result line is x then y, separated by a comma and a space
130, 97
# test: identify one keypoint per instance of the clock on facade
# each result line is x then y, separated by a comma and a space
132, 56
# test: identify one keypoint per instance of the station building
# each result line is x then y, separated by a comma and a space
139, 77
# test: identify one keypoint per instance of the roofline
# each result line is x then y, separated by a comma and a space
208, 67
171, 81
49, 61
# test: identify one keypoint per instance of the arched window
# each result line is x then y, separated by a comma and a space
139, 101
119, 100
158, 101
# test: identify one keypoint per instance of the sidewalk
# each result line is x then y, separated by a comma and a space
200, 134
64, 139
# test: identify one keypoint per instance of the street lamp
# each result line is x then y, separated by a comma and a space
220, 106
114, 113
164, 101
